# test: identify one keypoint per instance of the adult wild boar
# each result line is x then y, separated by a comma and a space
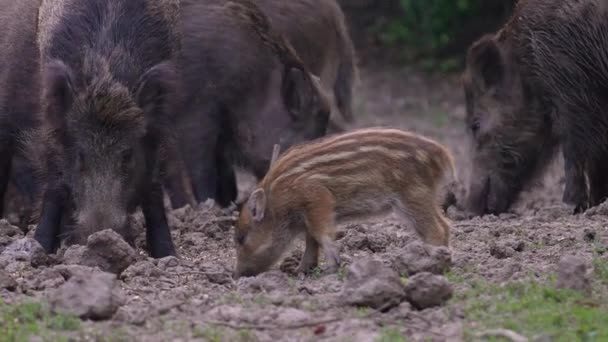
107, 80
538, 83
244, 90
318, 32
18, 100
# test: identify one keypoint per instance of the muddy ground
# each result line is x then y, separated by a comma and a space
194, 298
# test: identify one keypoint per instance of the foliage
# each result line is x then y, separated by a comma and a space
22, 321
436, 32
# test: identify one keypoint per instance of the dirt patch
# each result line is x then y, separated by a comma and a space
398, 285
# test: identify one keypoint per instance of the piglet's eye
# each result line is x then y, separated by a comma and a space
474, 126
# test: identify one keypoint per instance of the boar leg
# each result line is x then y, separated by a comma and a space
597, 172
420, 213
158, 235
575, 191
49, 228
322, 225
5, 170
310, 258
200, 160
175, 181
227, 190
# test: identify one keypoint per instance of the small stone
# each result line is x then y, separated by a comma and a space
49, 278
267, 282
105, 249
572, 273
7, 282
371, 283
25, 250
589, 235
425, 290
168, 262
9, 230
144, 269
501, 250
419, 257
74, 255
95, 296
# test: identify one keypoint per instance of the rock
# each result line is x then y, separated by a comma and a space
371, 283
9, 230
69, 271
25, 250
141, 269
356, 240
425, 290
501, 250
95, 295
419, 257
74, 255
49, 278
168, 262
105, 249
589, 235
267, 282
572, 273
7, 282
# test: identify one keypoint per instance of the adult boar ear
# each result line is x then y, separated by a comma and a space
155, 88
486, 62
257, 204
58, 91
297, 92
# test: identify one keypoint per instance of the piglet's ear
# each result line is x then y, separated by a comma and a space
257, 205
155, 86
58, 88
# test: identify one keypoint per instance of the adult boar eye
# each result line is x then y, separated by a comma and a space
81, 162
127, 157
474, 127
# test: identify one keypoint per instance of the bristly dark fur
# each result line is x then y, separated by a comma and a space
18, 99
107, 88
540, 82
244, 89
318, 32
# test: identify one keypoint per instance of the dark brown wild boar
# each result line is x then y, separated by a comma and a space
538, 83
318, 32
107, 80
315, 186
245, 89
18, 98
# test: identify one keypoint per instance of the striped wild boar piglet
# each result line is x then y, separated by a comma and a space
245, 89
315, 186
107, 78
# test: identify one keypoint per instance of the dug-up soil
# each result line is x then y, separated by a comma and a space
388, 281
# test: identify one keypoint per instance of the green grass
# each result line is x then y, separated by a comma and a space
21, 321
210, 333
533, 309
600, 268
390, 335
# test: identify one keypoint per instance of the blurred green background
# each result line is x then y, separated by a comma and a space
433, 34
